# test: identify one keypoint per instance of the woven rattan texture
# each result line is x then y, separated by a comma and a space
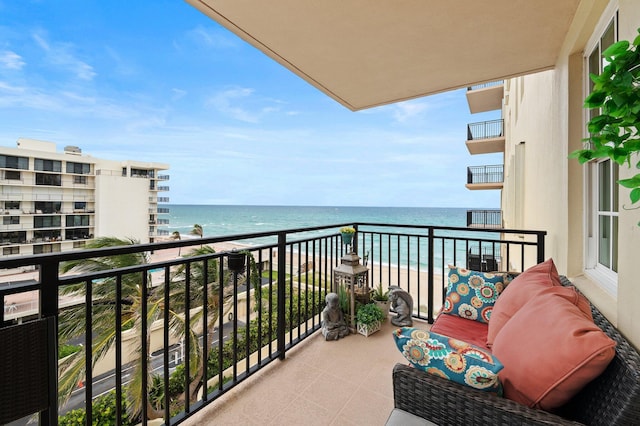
611, 399
23, 370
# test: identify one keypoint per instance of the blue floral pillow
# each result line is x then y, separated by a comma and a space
472, 294
449, 358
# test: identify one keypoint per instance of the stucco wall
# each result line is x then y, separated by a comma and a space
545, 111
122, 207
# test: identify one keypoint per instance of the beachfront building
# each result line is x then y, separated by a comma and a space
56, 201
542, 50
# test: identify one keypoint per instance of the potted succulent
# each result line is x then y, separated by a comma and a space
369, 319
347, 233
381, 298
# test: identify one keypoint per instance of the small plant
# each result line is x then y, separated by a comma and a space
369, 314
379, 294
347, 230
343, 299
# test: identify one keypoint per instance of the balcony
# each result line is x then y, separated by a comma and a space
485, 97
484, 219
485, 177
150, 305
485, 137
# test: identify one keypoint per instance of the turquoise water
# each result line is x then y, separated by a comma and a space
229, 220
233, 220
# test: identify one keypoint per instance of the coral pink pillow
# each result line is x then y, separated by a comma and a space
550, 350
518, 292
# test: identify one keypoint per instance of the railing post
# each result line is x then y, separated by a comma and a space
354, 243
540, 246
431, 258
49, 309
282, 283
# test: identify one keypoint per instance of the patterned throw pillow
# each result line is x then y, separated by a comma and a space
472, 294
449, 358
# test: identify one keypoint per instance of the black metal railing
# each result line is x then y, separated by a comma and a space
485, 130
201, 324
485, 174
485, 85
484, 218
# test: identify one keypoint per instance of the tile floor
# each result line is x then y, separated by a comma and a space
344, 382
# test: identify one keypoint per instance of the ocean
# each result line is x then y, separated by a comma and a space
233, 220
230, 220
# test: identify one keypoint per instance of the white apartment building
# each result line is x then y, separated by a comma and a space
53, 201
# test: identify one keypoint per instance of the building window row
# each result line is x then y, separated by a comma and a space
14, 162
47, 165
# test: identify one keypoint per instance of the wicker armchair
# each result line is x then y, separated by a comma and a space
26, 379
611, 399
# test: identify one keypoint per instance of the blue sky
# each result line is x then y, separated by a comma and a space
159, 81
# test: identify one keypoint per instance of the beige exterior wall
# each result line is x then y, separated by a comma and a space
122, 206
545, 111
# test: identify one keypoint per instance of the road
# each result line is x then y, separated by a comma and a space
106, 382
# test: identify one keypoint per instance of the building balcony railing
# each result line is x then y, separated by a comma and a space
485, 85
485, 130
163, 177
484, 218
485, 174
253, 315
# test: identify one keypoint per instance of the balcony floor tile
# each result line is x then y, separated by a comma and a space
344, 382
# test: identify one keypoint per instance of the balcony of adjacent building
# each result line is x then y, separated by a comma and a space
485, 97
484, 219
485, 177
282, 369
485, 137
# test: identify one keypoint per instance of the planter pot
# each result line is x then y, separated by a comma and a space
236, 261
347, 237
384, 306
368, 329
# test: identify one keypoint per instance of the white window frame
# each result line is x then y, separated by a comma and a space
606, 277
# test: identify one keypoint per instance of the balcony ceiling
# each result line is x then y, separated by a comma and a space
364, 53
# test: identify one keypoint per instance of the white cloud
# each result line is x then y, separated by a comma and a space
210, 37
409, 110
60, 55
11, 60
227, 103
178, 94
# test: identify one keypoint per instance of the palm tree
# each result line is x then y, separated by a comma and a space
175, 235
197, 230
72, 323
198, 275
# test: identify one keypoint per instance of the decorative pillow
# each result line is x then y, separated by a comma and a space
550, 350
449, 358
518, 292
472, 294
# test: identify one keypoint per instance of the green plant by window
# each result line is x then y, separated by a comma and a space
616, 91
369, 314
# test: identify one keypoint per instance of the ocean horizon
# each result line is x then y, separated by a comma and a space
223, 220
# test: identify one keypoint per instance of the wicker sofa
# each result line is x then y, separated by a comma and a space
613, 398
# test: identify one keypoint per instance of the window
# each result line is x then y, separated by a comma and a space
12, 205
46, 248
47, 165
10, 220
78, 168
80, 205
6, 251
82, 180
13, 162
46, 221
602, 186
77, 220
12, 175
48, 207
46, 179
